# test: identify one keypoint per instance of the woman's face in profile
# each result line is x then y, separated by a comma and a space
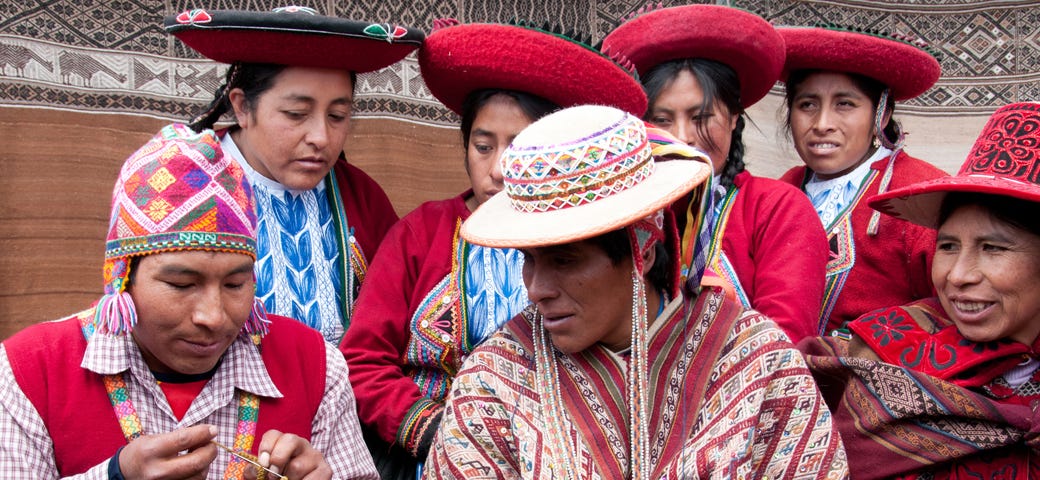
987, 274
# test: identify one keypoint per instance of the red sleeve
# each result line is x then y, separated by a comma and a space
408, 264
789, 250
368, 209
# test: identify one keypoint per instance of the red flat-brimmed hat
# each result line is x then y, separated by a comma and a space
744, 41
1004, 161
295, 36
906, 69
459, 59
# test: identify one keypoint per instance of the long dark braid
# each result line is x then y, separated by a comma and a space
719, 83
735, 159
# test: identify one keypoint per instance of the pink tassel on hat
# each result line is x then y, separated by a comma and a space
258, 323
115, 314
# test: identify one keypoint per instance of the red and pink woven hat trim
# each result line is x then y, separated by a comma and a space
1005, 160
904, 66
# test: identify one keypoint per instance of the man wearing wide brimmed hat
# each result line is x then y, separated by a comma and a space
178, 356
291, 88
431, 297
947, 386
613, 372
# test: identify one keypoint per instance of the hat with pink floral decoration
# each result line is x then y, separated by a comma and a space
1005, 160
177, 192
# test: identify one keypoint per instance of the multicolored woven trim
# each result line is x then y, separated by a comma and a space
554, 177
227, 242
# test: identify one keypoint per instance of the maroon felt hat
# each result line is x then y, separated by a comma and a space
744, 41
906, 69
1004, 161
460, 59
295, 36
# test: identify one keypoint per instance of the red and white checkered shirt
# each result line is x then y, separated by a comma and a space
26, 450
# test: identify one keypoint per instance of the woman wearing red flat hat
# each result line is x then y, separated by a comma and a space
291, 89
701, 66
431, 297
841, 92
947, 387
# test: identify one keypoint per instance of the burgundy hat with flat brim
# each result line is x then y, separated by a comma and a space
295, 36
460, 59
907, 70
742, 40
1004, 161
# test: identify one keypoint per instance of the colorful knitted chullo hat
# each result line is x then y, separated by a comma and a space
1005, 160
177, 192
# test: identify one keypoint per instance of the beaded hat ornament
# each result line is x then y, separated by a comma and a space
1005, 160
745, 42
177, 192
572, 175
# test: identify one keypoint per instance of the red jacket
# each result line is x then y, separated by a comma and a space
387, 353
894, 266
777, 247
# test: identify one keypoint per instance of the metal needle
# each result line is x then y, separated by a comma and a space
251, 459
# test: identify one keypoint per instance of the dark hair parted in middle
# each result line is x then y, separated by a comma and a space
1016, 212
719, 83
254, 79
533, 106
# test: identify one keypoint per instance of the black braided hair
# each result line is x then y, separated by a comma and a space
719, 83
254, 79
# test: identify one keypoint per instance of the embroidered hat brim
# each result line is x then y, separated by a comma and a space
293, 38
1005, 160
906, 70
745, 42
556, 153
461, 59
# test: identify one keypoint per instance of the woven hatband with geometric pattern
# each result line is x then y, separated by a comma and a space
542, 178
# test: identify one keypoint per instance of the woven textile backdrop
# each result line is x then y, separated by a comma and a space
83, 84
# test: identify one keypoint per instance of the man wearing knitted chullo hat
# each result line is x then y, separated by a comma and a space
178, 357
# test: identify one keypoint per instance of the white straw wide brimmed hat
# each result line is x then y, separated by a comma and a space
578, 173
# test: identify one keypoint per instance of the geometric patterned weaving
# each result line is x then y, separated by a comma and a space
115, 57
